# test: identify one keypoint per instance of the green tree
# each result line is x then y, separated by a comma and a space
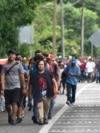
14, 14
44, 27
72, 29
24, 49
73, 24
39, 13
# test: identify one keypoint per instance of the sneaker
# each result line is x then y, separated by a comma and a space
9, 119
49, 117
34, 119
40, 122
19, 120
13, 122
73, 104
68, 103
45, 121
30, 109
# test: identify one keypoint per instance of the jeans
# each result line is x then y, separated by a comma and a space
71, 92
35, 109
52, 102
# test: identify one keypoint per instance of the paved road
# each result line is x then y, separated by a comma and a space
83, 117
66, 119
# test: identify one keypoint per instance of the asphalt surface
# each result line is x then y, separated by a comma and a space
83, 117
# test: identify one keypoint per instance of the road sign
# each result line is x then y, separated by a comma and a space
26, 34
95, 38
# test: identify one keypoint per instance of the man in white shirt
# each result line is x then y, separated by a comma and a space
90, 67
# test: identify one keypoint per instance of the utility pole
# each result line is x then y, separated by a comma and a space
92, 49
62, 29
54, 29
82, 29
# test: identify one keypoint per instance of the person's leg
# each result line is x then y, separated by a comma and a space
30, 104
40, 112
35, 111
46, 106
60, 86
99, 77
15, 101
7, 95
52, 102
88, 77
69, 91
21, 105
14, 111
64, 85
73, 93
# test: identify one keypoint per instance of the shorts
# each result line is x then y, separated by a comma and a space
12, 96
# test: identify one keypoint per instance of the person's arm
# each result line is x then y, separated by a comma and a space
55, 85
57, 70
3, 81
77, 73
23, 85
30, 88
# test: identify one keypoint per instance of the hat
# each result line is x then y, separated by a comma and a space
89, 58
73, 60
12, 51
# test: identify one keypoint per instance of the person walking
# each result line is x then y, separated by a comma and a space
90, 69
22, 102
72, 72
42, 85
54, 69
12, 78
34, 69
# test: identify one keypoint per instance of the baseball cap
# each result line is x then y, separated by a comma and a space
73, 60
12, 51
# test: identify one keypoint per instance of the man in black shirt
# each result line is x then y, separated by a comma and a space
42, 85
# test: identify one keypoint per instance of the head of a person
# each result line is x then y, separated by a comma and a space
41, 65
48, 60
37, 58
11, 55
19, 57
53, 60
38, 52
61, 64
31, 61
73, 61
89, 58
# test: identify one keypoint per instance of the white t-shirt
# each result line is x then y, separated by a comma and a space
90, 65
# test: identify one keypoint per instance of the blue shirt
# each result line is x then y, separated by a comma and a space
72, 79
25, 67
34, 69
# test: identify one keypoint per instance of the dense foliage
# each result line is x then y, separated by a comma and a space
39, 13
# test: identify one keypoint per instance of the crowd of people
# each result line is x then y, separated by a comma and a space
40, 81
